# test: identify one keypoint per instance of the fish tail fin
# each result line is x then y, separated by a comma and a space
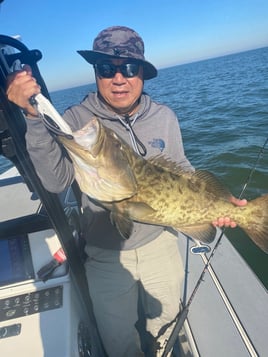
257, 229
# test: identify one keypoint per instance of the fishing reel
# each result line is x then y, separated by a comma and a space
13, 53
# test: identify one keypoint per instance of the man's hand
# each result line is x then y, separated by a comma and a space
20, 87
227, 221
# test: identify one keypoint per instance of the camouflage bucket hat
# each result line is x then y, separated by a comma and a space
119, 42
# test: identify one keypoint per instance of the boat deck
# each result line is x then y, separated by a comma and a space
229, 313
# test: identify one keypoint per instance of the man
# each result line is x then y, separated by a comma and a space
147, 266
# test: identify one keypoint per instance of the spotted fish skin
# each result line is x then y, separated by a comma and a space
157, 191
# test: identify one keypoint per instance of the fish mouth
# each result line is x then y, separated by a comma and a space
88, 135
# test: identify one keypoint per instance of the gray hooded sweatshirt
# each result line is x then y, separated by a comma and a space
151, 131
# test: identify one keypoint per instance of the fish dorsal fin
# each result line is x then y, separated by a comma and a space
167, 164
204, 232
211, 184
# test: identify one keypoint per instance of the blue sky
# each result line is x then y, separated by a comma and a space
174, 32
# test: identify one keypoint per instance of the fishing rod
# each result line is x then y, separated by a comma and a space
182, 316
12, 123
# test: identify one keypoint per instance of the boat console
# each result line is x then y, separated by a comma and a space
37, 318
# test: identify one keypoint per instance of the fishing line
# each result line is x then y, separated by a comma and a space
49, 123
260, 155
181, 317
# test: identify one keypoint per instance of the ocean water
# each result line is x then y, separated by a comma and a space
222, 105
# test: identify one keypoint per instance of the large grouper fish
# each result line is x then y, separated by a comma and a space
155, 191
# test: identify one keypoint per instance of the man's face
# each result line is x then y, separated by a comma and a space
120, 92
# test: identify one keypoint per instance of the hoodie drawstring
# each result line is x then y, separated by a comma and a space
138, 146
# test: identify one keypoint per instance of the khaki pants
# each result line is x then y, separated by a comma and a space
115, 278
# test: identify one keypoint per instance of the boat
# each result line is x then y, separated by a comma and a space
37, 317
45, 308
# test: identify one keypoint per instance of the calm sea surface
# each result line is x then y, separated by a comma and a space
222, 105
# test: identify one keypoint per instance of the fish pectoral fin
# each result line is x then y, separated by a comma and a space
204, 232
123, 224
139, 210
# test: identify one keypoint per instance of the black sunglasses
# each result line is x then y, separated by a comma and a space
108, 70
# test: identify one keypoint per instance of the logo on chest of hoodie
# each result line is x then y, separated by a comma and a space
157, 143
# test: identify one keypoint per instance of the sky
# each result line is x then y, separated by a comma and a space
174, 31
